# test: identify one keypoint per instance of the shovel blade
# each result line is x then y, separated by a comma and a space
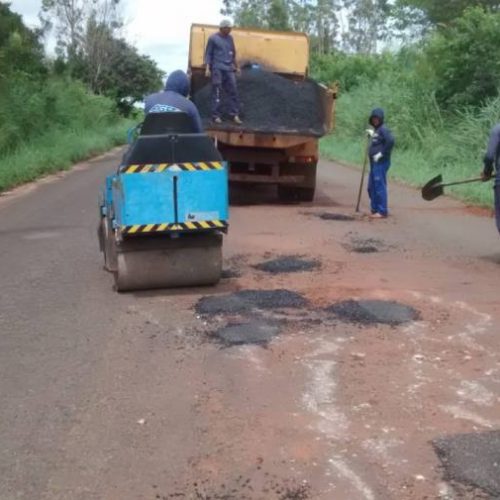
433, 189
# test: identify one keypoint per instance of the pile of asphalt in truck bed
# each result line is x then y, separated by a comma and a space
271, 103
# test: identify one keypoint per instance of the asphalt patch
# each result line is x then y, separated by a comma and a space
335, 217
247, 300
368, 312
251, 333
288, 264
271, 103
472, 460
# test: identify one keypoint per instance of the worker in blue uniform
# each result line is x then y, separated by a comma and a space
381, 144
221, 67
174, 99
491, 165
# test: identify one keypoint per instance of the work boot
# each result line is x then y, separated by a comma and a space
237, 120
217, 119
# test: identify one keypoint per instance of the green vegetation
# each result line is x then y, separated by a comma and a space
53, 113
441, 100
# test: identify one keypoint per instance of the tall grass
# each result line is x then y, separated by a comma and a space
57, 150
428, 140
46, 126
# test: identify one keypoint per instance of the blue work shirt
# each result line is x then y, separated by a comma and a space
382, 140
221, 52
172, 102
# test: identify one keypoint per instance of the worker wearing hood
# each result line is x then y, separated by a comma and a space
174, 100
381, 144
492, 166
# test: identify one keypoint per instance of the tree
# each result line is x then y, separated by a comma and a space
129, 76
367, 25
20, 48
465, 58
437, 12
277, 16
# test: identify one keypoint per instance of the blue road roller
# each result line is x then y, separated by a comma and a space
164, 211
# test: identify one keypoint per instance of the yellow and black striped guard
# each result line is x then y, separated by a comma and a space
184, 226
152, 168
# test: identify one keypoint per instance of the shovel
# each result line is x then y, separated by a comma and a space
435, 187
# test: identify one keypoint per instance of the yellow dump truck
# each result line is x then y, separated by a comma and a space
279, 149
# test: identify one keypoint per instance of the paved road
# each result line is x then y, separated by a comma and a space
139, 396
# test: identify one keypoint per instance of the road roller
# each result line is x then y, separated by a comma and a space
164, 211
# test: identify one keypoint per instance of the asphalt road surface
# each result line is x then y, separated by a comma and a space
372, 373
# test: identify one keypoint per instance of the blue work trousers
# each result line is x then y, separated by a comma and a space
377, 186
224, 85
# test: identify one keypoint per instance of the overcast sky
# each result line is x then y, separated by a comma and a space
154, 26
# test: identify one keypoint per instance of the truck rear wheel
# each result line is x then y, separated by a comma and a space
306, 194
287, 193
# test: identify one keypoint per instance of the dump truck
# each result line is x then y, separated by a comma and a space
281, 148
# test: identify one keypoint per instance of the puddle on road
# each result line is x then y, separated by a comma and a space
288, 264
473, 461
367, 312
246, 301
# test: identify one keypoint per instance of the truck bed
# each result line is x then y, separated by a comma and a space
271, 104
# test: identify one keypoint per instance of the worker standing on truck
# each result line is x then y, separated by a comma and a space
174, 100
221, 66
492, 163
381, 144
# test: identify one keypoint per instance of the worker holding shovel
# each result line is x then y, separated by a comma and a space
491, 163
379, 151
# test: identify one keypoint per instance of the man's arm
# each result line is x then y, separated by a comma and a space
195, 115
388, 141
235, 63
209, 56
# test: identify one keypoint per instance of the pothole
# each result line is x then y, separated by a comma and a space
335, 217
365, 245
288, 264
245, 301
254, 332
472, 460
368, 312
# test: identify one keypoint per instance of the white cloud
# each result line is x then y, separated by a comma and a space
159, 28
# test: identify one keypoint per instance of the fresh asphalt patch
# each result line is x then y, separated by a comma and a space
472, 460
288, 264
253, 332
247, 301
373, 312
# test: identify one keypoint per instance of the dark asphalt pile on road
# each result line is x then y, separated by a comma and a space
247, 300
368, 312
472, 460
254, 332
288, 264
271, 103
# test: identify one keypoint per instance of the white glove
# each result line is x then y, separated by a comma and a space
377, 157
370, 132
